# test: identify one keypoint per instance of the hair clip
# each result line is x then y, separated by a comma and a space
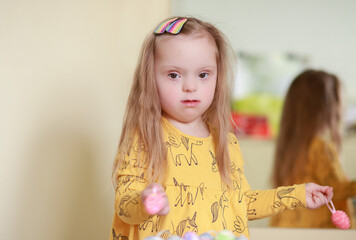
172, 26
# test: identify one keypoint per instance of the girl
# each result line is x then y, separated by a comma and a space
176, 141
308, 146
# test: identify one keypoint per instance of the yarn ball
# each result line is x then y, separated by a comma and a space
225, 235
153, 238
242, 237
190, 236
174, 237
153, 203
206, 236
340, 219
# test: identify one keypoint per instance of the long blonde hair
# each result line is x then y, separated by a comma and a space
143, 110
312, 105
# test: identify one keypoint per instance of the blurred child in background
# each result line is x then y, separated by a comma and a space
308, 147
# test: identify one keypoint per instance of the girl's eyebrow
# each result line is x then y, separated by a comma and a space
168, 67
207, 67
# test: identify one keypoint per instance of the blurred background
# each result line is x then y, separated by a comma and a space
65, 73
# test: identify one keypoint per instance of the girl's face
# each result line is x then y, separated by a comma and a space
186, 73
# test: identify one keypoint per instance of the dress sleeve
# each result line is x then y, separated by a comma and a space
265, 203
327, 170
131, 181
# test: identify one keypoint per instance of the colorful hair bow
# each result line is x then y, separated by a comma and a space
172, 26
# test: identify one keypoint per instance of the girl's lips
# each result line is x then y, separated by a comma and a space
190, 103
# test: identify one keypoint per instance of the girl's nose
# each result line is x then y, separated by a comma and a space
189, 85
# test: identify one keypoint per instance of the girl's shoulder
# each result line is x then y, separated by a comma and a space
232, 139
321, 144
321, 148
233, 144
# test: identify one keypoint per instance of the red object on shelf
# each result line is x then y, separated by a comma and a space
251, 125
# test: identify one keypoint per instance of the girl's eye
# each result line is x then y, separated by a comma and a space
203, 75
173, 75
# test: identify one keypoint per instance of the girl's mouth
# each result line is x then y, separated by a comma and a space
190, 103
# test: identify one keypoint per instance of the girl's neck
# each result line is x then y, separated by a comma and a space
196, 128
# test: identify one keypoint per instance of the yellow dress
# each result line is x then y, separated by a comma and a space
199, 202
323, 168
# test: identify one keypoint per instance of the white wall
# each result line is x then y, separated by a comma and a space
323, 30
65, 73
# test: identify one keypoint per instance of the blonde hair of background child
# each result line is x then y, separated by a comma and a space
143, 110
312, 106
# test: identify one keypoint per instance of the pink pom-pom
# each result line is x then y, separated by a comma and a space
190, 236
340, 219
154, 202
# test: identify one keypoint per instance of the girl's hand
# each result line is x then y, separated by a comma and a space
155, 199
315, 195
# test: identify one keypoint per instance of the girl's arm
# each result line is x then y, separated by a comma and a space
128, 204
131, 182
265, 203
135, 203
133, 189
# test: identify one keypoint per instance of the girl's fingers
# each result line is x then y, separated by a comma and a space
165, 210
319, 199
329, 193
